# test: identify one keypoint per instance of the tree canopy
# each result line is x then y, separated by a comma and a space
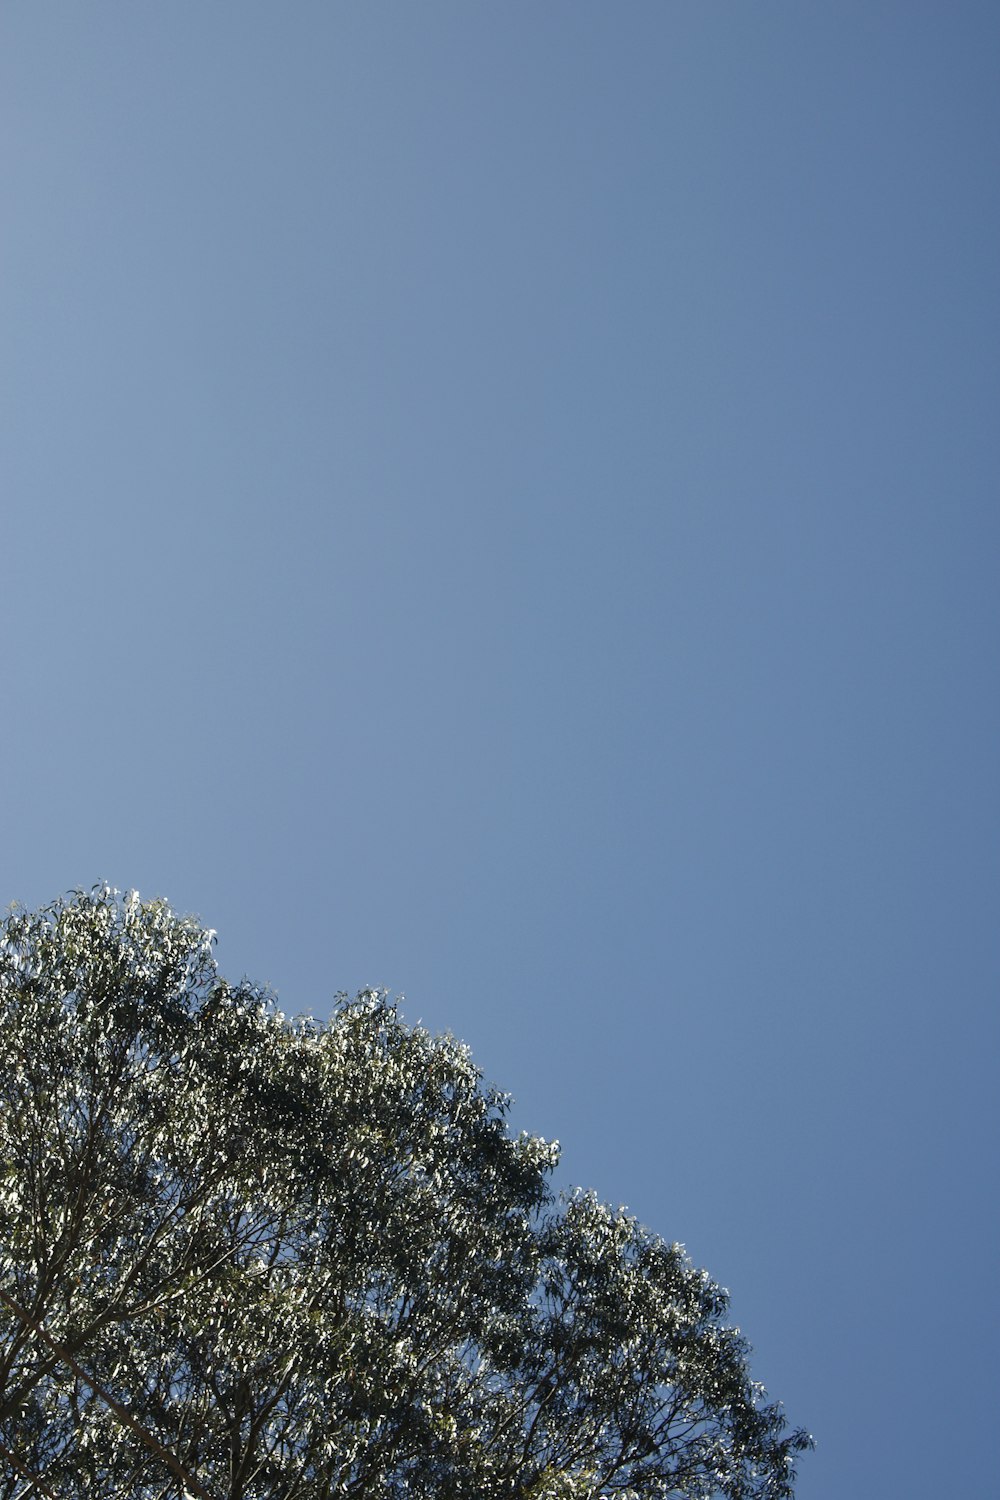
244, 1257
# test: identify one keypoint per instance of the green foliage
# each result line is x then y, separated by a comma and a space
249, 1258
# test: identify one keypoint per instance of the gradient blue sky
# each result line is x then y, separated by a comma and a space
500, 502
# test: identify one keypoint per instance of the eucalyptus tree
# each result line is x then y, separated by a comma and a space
250, 1258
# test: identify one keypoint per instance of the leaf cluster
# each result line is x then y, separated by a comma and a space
244, 1257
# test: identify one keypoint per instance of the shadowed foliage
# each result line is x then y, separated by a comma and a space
250, 1258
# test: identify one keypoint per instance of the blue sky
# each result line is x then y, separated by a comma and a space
500, 502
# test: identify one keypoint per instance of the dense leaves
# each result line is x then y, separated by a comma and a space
248, 1258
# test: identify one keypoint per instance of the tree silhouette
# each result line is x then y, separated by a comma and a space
251, 1258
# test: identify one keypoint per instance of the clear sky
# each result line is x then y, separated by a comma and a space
500, 501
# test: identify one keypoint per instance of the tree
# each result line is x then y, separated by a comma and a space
250, 1258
